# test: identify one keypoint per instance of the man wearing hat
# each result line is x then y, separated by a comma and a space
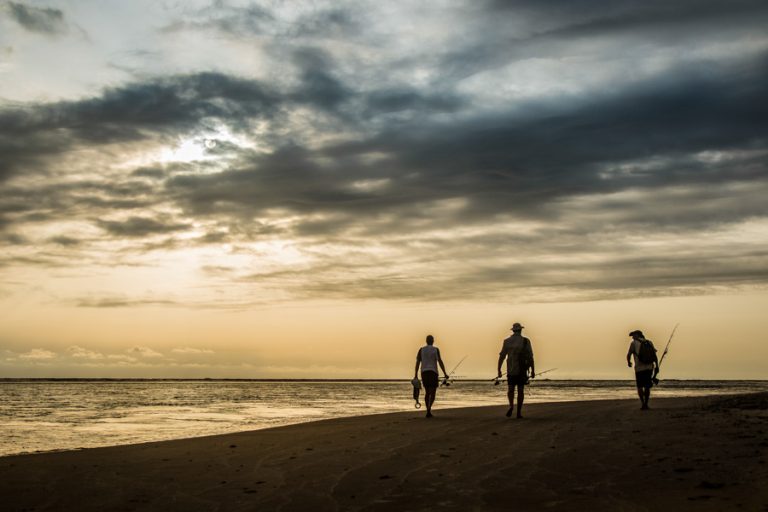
644, 354
519, 354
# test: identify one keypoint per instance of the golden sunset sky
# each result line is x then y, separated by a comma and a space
307, 189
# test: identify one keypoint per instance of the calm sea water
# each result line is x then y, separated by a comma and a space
55, 415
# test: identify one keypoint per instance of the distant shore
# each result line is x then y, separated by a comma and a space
704, 453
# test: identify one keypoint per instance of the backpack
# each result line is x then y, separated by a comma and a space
524, 360
646, 354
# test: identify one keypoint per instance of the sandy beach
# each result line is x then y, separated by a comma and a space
684, 454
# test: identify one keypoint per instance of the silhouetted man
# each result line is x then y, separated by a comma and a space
519, 354
644, 354
429, 357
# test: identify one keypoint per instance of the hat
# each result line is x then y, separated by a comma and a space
517, 327
638, 332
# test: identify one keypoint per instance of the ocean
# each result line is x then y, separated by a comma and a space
46, 415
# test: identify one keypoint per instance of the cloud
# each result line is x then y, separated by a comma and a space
43, 20
121, 359
121, 302
31, 134
83, 353
141, 226
529, 147
191, 351
65, 241
254, 21
13, 239
519, 162
38, 354
232, 21
561, 29
144, 352
92, 358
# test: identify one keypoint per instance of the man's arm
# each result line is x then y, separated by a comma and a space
629, 355
502, 356
418, 362
440, 362
530, 356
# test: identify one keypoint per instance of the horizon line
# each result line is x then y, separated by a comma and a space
247, 379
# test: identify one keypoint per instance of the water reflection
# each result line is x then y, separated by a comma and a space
48, 415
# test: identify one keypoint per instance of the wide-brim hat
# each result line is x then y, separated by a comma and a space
517, 327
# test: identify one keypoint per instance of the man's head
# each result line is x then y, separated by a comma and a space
516, 327
637, 335
430, 339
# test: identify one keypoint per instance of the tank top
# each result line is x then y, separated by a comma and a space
429, 358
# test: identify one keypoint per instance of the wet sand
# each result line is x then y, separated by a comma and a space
684, 454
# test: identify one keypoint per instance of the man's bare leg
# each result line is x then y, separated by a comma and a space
646, 397
511, 397
429, 399
641, 394
520, 396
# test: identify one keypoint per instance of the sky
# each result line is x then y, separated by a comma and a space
307, 189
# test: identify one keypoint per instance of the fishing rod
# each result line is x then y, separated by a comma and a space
546, 371
446, 381
496, 380
663, 354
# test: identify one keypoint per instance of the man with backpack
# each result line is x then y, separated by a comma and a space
519, 355
644, 354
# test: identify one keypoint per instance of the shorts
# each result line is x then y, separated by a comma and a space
644, 378
517, 380
429, 379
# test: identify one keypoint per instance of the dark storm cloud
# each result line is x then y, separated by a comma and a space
625, 13
551, 29
173, 104
31, 134
319, 86
517, 162
405, 99
43, 20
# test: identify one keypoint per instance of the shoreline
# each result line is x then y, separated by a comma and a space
530, 400
703, 453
